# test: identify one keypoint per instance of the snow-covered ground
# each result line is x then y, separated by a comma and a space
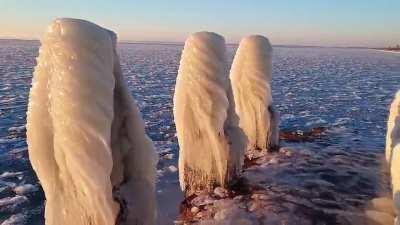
347, 91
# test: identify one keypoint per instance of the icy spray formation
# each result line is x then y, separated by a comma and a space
395, 174
251, 84
211, 143
393, 127
85, 135
393, 150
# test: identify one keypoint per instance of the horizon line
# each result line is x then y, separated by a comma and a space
182, 43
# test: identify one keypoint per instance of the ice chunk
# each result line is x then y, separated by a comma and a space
11, 204
10, 174
85, 136
25, 189
251, 83
16, 129
17, 219
211, 143
172, 168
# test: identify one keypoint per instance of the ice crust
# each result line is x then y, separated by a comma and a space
251, 84
211, 143
85, 135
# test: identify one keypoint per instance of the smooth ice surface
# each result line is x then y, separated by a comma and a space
85, 136
251, 84
203, 116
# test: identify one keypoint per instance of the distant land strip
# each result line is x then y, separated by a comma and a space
10, 40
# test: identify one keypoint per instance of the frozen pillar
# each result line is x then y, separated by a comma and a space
251, 84
393, 127
86, 138
210, 141
393, 150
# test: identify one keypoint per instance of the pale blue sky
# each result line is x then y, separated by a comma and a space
301, 22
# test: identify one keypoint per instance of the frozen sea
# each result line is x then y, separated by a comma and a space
345, 91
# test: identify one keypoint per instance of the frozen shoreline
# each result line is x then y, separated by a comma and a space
295, 185
390, 51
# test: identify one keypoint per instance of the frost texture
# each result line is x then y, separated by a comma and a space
251, 83
211, 143
86, 139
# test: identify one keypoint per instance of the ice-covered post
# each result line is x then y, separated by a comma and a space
251, 83
85, 136
395, 177
393, 127
210, 141
393, 150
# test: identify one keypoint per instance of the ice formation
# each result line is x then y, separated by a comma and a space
251, 83
211, 143
393, 150
85, 135
393, 127
395, 175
